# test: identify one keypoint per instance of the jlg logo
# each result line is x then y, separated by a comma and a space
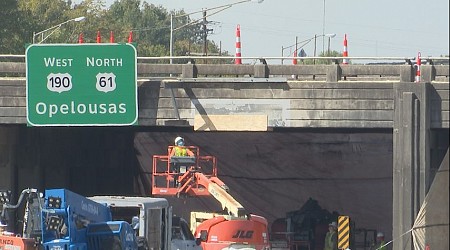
242, 234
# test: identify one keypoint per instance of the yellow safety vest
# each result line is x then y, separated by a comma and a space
330, 241
180, 151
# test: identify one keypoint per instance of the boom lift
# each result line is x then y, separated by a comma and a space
196, 175
192, 176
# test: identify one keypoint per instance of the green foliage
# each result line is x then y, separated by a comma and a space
13, 28
150, 25
333, 53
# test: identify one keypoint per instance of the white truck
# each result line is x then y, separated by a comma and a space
156, 227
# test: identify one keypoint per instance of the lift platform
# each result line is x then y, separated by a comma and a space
194, 175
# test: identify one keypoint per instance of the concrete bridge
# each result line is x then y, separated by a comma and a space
291, 96
223, 97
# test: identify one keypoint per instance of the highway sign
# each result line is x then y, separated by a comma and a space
81, 85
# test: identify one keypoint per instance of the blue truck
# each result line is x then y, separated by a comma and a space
73, 222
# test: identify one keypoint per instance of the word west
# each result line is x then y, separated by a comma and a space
58, 62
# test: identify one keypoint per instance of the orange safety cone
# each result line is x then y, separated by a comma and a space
80, 38
418, 64
130, 37
99, 38
238, 59
345, 53
294, 61
111, 37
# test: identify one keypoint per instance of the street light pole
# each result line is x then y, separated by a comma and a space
323, 28
329, 40
171, 37
54, 28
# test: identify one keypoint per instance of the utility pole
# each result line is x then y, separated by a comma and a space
205, 35
315, 48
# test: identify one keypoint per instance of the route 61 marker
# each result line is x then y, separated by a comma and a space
106, 82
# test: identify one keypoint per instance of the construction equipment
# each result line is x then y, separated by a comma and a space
191, 176
305, 229
71, 221
28, 236
227, 232
65, 220
196, 175
302, 229
154, 222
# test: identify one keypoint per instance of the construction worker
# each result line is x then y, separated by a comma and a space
2, 227
380, 242
179, 149
331, 237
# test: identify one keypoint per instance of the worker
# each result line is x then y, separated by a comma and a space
135, 224
380, 243
2, 227
179, 149
331, 237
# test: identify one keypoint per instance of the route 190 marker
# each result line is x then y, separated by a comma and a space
81, 85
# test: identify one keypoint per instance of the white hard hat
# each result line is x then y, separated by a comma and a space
179, 138
380, 234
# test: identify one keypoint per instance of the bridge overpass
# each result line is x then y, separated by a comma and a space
224, 97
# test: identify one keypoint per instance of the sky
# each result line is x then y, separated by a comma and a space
381, 28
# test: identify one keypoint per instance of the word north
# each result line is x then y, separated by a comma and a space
103, 62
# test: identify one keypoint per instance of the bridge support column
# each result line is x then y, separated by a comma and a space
411, 158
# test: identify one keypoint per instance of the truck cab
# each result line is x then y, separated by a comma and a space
156, 227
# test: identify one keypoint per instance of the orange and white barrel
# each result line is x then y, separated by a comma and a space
111, 36
99, 38
294, 60
130, 37
345, 53
238, 59
418, 64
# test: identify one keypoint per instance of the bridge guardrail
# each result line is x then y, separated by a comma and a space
372, 68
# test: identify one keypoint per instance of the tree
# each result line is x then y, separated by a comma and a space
150, 25
12, 29
332, 53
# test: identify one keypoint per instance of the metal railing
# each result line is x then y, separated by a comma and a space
403, 69
385, 59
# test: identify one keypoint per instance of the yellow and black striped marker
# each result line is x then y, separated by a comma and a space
343, 232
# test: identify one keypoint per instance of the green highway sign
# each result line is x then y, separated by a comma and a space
81, 85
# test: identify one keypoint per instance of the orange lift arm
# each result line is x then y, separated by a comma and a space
194, 176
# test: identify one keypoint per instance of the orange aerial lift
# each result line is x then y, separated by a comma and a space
196, 175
